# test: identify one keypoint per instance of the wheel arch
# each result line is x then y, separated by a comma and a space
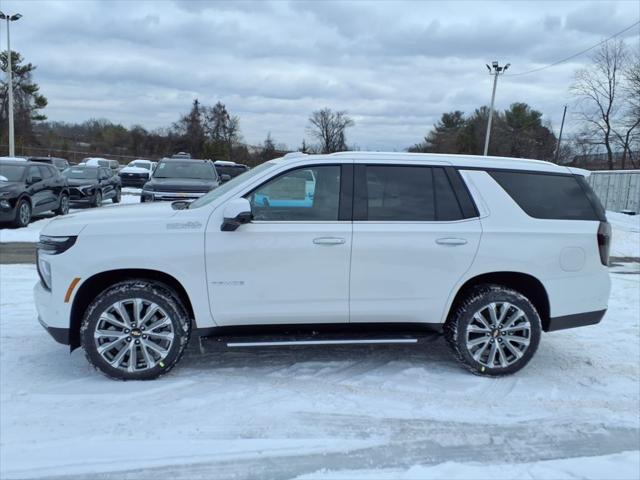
97, 283
526, 284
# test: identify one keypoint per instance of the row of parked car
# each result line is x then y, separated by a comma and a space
31, 186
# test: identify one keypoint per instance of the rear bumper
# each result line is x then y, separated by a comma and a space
576, 320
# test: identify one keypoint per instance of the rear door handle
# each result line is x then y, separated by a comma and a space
452, 242
329, 241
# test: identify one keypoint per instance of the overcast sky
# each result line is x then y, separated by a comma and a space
393, 66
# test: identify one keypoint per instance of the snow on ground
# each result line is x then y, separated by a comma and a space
608, 467
364, 412
31, 232
626, 234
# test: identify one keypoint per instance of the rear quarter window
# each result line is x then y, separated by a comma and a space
550, 196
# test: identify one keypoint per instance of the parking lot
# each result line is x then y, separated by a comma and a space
369, 412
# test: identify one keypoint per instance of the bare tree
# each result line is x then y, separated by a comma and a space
597, 89
628, 132
329, 127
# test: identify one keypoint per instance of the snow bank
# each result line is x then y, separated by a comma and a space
287, 412
31, 232
609, 467
626, 234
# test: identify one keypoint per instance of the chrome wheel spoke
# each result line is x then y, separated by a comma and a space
163, 322
137, 308
514, 318
105, 347
133, 357
483, 321
122, 311
162, 335
107, 317
151, 311
477, 341
520, 340
155, 347
117, 360
475, 329
148, 358
478, 353
517, 353
501, 355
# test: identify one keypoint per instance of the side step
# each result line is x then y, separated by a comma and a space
287, 343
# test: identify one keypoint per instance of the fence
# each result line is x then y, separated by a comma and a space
617, 189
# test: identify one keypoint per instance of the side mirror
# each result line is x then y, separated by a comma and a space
236, 212
225, 177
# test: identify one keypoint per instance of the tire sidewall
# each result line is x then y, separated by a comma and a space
61, 209
97, 202
128, 290
481, 299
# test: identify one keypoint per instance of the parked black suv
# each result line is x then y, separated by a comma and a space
60, 163
180, 179
92, 185
29, 188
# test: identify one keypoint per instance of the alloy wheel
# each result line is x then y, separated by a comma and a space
134, 335
64, 205
498, 335
24, 213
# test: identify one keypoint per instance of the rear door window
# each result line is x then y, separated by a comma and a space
549, 196
405, 193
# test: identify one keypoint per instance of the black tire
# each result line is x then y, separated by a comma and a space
145, 290
23, 213
97, 200
118, 196
456, 330
63, 206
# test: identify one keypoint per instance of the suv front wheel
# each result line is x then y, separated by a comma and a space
495, 331
135, 330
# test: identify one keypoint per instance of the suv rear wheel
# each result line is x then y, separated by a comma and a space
118, 196
495, 331
63, 207
135, 330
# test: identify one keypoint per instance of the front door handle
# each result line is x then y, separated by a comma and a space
451, 242
329, 241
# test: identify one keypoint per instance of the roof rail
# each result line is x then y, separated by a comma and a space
294, 155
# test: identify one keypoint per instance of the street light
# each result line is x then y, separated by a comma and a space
494, 70
9, 19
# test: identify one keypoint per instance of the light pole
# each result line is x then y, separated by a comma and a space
9, 19
497, 70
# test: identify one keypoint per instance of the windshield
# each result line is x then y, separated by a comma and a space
11, 173
81, 173
178, 169
144, 165
231, 184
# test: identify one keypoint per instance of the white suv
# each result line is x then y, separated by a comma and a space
349, 247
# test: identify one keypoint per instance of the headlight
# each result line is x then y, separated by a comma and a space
55, 245
5, 194
87, 189
44, 271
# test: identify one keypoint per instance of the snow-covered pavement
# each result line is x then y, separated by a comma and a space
342, 412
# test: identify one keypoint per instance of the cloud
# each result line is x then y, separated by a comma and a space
395, 67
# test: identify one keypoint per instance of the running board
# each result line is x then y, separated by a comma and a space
286, 343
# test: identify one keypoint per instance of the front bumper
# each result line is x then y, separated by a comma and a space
60, 335
79, 196
148, 196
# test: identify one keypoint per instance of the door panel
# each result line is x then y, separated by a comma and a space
412, 243
404, 272
291, 263
277, 273
37, 190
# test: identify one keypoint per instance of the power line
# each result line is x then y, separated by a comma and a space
575, 54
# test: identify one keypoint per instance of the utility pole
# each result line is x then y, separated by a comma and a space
9, 19
564, 113
497, 70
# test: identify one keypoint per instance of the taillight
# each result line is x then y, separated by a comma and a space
604, 242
